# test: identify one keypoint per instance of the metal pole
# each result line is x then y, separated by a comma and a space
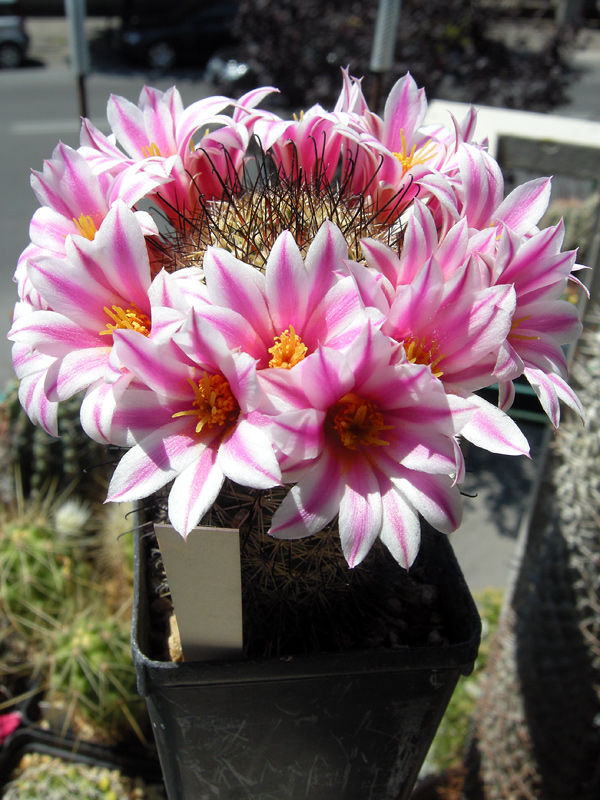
75, 12
384, 41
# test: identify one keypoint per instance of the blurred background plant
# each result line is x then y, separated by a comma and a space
66, 582
41, 775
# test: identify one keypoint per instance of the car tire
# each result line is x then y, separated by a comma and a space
11, 55
161, 55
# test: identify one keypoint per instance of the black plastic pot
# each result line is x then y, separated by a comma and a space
328, 726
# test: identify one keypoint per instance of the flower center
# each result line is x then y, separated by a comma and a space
358, 422
288, 350
151, 149
420, 156
419, 351
86, 226
214, 403
132, 319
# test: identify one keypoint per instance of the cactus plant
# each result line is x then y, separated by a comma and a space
54, 610
298, 595
42, 460
41, 775
91, 677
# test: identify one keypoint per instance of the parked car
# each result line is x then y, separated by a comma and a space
13, 39
183, 38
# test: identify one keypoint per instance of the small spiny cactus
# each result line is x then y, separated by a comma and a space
91, 676
42, 460
52, 778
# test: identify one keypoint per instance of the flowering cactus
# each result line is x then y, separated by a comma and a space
324, 324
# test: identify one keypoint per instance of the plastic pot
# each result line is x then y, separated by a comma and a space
347, 725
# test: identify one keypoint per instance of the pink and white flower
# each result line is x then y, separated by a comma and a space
388, 450
99, 286
157, 137
75, 201
195, 419
281, 317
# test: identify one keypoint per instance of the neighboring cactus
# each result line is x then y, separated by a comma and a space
52, 778
40, 575
60, 622
43, 460
112, 552
90, 674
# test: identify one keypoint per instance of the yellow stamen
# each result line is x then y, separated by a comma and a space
151, 150
513, 327
132, 319
298, 118
214, 403
288, 350
358, 422
420, 156
419, 351
86, 226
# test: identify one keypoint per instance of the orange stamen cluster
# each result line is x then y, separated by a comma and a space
419, 351
132, 319
288, 350
358, 422
86, 226
151, 149
213, 404
420, 156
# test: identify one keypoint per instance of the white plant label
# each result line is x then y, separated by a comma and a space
204, 576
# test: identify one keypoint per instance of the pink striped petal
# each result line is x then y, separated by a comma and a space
52, 334
75, 371
506, 394
246, 456
98, 409
159, 365
337, 320
405, 110
118, 255
453, 248
324, 376
194, 491
326, 254
73, 292
127, 123
240, 287
525, 205
311, 504
158, 459
286, 284
361, 512
400, 526
482, 184
383, 258
493, 430
433, 496
39, 409
237, 332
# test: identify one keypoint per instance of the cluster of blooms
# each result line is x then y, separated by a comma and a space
325, 325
